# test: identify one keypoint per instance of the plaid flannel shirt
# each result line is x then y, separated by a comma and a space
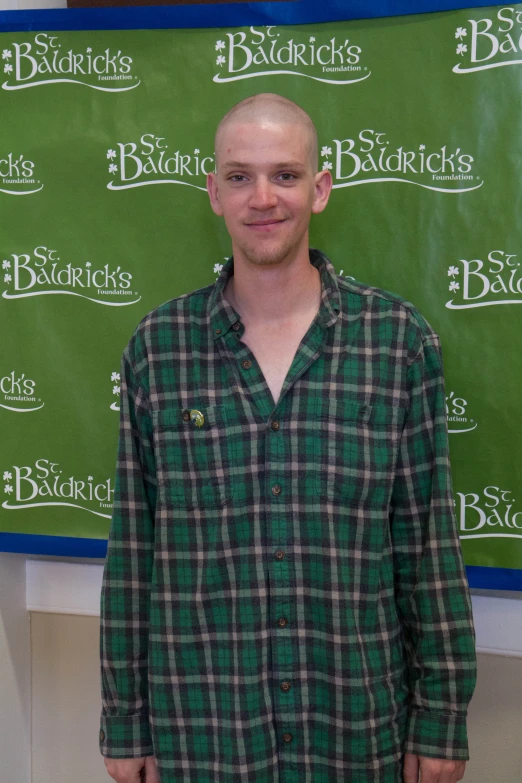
284, 597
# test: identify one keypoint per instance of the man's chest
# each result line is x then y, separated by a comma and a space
274, 350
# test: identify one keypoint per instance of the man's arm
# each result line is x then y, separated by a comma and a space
432, 594
124, 627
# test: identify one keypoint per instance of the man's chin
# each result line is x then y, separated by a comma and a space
266, 256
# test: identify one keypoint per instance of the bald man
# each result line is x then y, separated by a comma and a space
284, 597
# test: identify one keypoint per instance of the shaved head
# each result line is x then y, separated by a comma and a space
269, 108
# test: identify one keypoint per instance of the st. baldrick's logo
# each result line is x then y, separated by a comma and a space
370, 157
489, 42
48, 59
151, 161
491, 513
45, 484
483, 283
17, 175
18, 393
42, 272
279, 51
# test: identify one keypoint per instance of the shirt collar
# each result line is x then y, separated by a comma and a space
222, 315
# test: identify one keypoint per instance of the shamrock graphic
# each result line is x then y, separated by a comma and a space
112, 168
8, 488
6, 54
115, 376
115, 389
111, 154
6, 264
453, 286
8, 68
196, 152
7, 476
220, 60
7, 278
453, 270
325, 151
327, 165
220, 45
217, 268
460, 33
312, 38
87, 264
89, 49
422, 147
89, 478
461, 48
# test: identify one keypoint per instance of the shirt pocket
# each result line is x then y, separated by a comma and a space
356, 451
193, 462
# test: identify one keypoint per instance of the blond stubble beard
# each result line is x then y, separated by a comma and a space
268, 257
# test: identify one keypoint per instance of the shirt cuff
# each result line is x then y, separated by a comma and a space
437, 734
125, 737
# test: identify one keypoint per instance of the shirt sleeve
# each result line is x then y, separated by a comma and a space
125, 595
432, 594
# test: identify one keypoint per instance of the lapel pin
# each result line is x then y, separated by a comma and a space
197, 417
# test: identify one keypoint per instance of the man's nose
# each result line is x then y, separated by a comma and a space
263, 195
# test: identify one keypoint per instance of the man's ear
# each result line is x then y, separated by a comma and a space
212, 190
323, 188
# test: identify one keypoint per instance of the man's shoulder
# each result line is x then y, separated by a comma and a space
385, 301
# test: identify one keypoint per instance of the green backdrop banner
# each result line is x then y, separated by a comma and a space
105, 141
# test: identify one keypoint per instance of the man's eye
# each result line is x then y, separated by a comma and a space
236, 177
287, 176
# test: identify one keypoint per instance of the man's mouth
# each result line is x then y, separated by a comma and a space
265, 223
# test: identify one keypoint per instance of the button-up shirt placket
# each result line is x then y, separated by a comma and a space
279, 534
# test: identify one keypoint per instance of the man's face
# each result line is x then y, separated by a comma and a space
266, 190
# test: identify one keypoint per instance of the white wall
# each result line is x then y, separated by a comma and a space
15, 683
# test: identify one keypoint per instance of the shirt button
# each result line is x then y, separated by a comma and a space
218, 331
276, 489
247, 364
279, 554
285, 686
275, 425
282, 622
102, 735
287, 737
236, 326
186, 415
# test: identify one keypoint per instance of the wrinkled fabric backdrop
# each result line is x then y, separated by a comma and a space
105, 141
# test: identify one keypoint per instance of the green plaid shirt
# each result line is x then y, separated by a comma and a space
284, 597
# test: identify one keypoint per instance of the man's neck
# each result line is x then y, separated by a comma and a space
274, 294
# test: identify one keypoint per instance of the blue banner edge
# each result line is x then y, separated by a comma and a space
225, 15
479, 577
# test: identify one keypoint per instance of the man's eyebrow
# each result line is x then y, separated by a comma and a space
236, 164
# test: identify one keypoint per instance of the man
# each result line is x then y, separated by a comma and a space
284, 597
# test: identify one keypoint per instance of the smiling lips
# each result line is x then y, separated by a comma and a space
265, 223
